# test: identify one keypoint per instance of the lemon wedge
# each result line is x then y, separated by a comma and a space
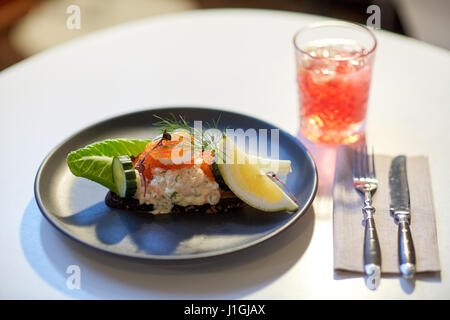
249, 182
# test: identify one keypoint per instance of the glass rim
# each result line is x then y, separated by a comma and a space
336, 23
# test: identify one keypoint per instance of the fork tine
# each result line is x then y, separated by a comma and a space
361, 161
373, 163
365, 158
357, 163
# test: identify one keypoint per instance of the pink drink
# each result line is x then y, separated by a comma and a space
333, 77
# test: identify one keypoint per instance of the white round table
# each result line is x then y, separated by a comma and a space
241, 60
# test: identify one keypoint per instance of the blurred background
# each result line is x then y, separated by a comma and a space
30, 26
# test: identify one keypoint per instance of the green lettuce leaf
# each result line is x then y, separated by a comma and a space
94, 162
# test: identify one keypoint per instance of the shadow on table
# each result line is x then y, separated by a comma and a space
325, 158
106, 276
171, 234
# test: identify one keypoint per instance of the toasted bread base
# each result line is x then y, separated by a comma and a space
225, 205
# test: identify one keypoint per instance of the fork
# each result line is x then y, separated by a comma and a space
365, 181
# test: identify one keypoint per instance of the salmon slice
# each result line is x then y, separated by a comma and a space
174, 154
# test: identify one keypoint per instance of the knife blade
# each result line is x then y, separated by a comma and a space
400, 209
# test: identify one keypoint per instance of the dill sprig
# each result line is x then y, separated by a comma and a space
172, 123
176, 123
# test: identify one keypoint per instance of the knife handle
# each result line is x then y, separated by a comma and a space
406, 252
372, 252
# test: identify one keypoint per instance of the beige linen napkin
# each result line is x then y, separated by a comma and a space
348, 230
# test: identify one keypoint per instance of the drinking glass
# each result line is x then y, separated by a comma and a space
334, 69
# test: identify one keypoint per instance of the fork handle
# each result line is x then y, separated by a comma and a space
372, 252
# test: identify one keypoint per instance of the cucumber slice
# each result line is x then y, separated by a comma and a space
124, 176
218, 177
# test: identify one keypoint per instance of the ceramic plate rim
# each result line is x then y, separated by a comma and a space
48, 216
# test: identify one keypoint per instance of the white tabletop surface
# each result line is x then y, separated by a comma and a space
241, 60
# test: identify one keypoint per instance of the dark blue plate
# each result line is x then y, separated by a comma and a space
76, 206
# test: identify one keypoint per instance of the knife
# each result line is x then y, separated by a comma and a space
401, 211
